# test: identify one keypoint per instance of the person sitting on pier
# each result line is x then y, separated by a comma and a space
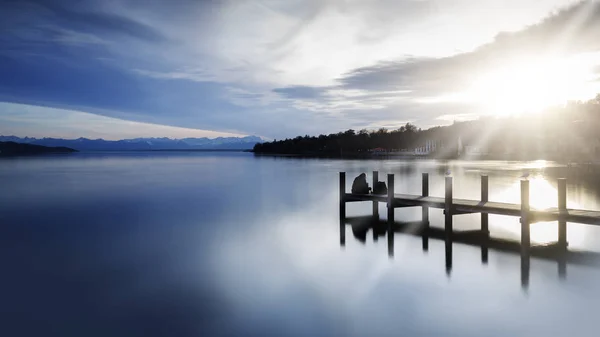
360, 185
380, 188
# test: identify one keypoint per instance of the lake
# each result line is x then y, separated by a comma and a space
228, 244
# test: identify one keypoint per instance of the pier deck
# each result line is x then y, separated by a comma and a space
463, 206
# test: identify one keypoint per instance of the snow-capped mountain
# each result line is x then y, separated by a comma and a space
85, 144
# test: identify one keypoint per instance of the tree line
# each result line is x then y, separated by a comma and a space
568, 130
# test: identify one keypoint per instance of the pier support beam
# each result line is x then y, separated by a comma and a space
484, 198
525, 266
525, 218
485, 230
425, 193
562, 228
448, 255
448, 224
448, 207
342, 209
562, 209
390, 201
342, 195
375, 203
390, 214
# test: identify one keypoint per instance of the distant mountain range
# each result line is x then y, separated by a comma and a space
136, 144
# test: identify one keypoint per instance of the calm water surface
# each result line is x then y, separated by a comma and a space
226, 244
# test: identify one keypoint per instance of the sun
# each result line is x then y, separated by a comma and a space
530, 86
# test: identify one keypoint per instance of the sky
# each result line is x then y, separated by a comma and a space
280, 68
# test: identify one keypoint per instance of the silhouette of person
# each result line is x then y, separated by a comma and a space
380, 188
360, 185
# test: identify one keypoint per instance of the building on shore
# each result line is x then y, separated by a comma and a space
430, 147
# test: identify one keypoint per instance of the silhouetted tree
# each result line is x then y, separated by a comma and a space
564, 132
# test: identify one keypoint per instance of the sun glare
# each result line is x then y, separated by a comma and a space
531, 86
543, 195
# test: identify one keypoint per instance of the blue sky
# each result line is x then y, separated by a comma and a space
180, 68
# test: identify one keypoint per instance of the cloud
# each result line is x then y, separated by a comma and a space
197, 75
569, 32
37, 121
419, 84
272, 68
80, 17
300, 91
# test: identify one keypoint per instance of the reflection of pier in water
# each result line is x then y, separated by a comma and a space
556, 251
361, 225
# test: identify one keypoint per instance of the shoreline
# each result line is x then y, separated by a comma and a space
557, 159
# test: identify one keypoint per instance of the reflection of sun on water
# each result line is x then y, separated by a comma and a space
542, 195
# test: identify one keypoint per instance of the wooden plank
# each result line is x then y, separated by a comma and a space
349, 197
475, 206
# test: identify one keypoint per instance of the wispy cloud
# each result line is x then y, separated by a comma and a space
412, 82
274, 68
37, 121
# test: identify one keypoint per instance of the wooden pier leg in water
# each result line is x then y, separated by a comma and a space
390, 214
425, 193
342, 195
342, 209
525, 218
448, 207
562, 209
448, 250
375, 206
391, 244
390, 201
485, 230
562, 228
525, 266
375, 203
484, 198
342, 232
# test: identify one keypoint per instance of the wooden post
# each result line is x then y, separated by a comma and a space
425, 193
375, 206
375, 203
342, 232
525, 217
390, 215
562, 209
342, 209
562, 266
448, 246
484, 198
391, 244
485, 251
342, 195
448, 207
390, 202
425, 241
525, 265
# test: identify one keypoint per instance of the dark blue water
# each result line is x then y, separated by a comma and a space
226, 244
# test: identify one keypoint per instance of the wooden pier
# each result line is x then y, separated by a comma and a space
554, 251
453, 206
